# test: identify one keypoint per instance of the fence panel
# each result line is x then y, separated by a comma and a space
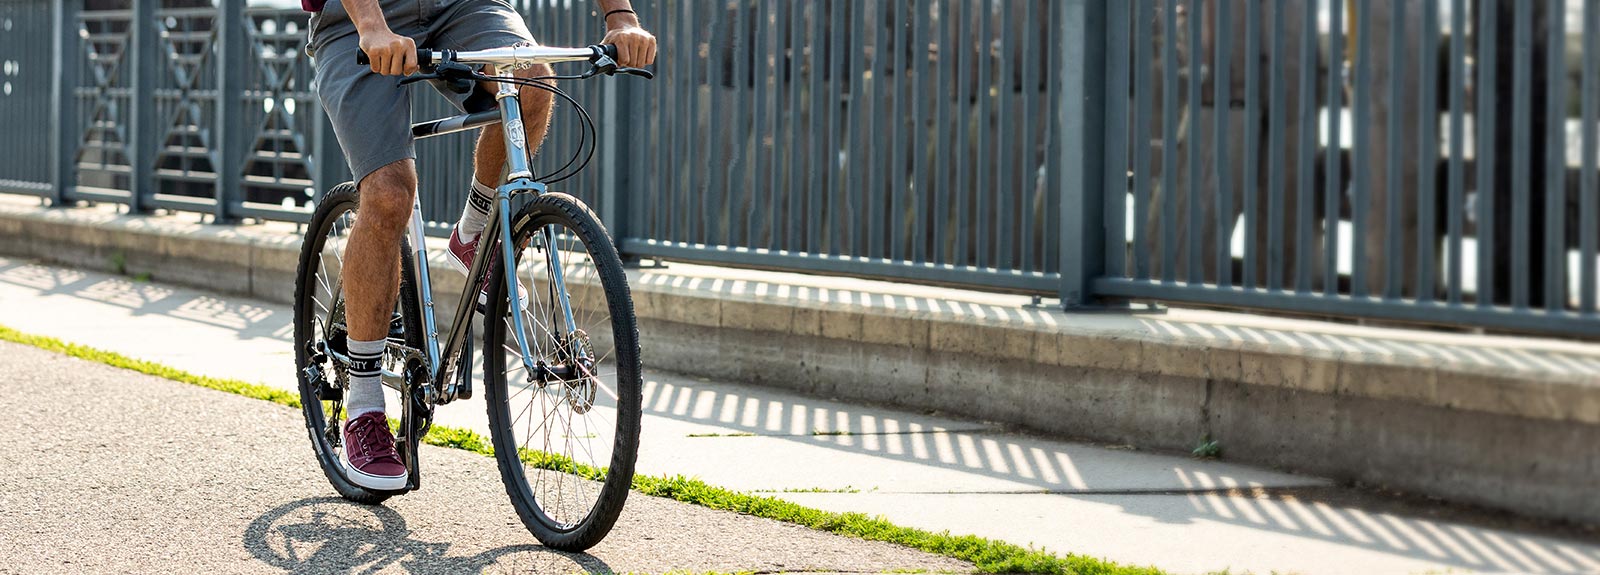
27, 71
1343, 187
873, 137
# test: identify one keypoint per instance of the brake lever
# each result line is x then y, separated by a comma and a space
416, 78
640, 72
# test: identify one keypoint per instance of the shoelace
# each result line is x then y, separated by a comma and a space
372, 441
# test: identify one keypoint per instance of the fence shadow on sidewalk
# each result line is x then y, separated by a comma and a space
1198, 491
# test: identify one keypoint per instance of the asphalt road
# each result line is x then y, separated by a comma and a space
104, 470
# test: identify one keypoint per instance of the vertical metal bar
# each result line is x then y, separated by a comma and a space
942, 138
775, 165
758, 80
1115, 140
1334, 190
919, 197
1305, 194
986, 156
1361, 152
1455, 202
1589, 227
1169, 140
1555, 216
144, 59
1394, 256
1484, 122
1143, 39
858, 137
683, 172
714, 197
838, 200
1194, 260
1081, 34
873, 153
232, 50
1222, 106
816, 168
736, 192
1252, 129
1028, 190
64, 101
797, 194
1005, 207
662, 130
1521, 155
963, 156
897, 219
1428, 155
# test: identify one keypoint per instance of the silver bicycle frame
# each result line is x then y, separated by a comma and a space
444, 359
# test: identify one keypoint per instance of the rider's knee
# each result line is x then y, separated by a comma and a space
386, 195
535, 100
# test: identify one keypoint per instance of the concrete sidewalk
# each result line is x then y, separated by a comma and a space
917, 469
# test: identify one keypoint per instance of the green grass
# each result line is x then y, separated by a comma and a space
722, 435
988, 555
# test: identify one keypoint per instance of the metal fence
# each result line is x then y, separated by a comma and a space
1419, 160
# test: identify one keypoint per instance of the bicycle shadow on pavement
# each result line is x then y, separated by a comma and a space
332, 535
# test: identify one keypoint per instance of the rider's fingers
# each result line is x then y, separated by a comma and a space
410, 57
396, 63
625, 52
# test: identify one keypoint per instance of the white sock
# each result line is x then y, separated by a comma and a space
475, 215
366, 368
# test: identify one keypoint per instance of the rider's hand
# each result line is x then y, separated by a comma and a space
636, 48
391, 53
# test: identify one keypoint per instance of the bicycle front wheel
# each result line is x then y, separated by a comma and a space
566, 432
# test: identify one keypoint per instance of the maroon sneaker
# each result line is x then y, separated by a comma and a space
369, 456
461, 254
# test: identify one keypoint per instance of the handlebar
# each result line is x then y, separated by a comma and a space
518, 56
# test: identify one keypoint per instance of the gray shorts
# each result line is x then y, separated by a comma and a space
371, 115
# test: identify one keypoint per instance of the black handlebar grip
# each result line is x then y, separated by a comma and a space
610, 50
424, 57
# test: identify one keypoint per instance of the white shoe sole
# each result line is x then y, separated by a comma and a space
369, 481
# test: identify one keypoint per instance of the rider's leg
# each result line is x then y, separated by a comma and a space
372, 272
490, 159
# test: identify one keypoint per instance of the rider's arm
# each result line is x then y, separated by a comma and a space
636, 48
391, 53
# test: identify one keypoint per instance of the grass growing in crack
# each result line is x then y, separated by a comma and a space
820, 432
1208, 448
988, 555
845, 489
236, 387
722, 435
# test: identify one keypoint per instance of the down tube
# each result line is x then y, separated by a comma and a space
422, 281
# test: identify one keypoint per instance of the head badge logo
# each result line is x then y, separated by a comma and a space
514, 129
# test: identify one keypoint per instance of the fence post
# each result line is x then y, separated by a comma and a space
232, 52
64, 101
1079, 119
144, 56
617, 115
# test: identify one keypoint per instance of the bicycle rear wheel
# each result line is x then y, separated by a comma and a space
567, 434
319, 327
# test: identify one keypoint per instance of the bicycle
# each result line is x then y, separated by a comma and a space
545, 347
